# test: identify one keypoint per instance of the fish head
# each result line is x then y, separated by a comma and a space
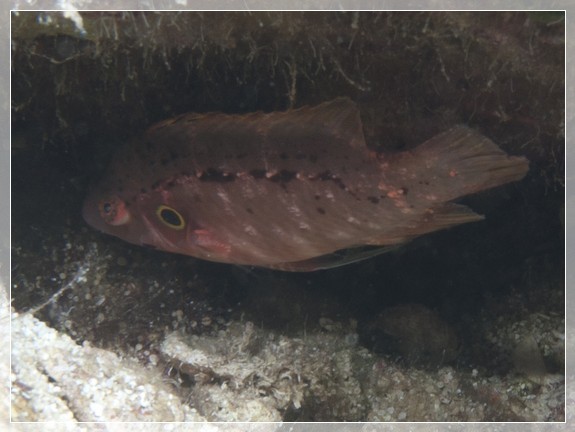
115, 214
152, 219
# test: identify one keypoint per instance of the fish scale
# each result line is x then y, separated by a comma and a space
289, 190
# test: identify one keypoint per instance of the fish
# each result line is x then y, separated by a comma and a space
295, 190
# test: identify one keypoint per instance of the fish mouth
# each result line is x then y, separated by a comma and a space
91, 214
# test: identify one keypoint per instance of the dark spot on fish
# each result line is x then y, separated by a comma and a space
423, 182
320, 210
155, 185
300, 156
170, 184
325, 175
328, 176
404, 190
373, 199
214, 175
283, 176
339, 182
284, 156
241, 155
313, 158
258, 173
249, 210
317, 197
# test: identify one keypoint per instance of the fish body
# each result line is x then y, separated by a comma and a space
288, 190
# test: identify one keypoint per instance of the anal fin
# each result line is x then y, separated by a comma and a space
335, 259
441, 217
436, 218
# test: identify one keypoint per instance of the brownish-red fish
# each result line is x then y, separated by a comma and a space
289, 190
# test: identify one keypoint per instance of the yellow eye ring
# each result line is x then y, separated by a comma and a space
170, 217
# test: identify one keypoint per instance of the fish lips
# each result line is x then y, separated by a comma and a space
91, 214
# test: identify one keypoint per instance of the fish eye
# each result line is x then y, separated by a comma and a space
114, 211
170, 217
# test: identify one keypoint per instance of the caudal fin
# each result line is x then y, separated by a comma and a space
461, 161
450, 165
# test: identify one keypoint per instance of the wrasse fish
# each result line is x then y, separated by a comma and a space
297, 190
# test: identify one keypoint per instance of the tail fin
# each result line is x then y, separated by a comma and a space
450, 165
461, 161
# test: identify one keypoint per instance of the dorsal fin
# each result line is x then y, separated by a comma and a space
339, 117
258, 137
